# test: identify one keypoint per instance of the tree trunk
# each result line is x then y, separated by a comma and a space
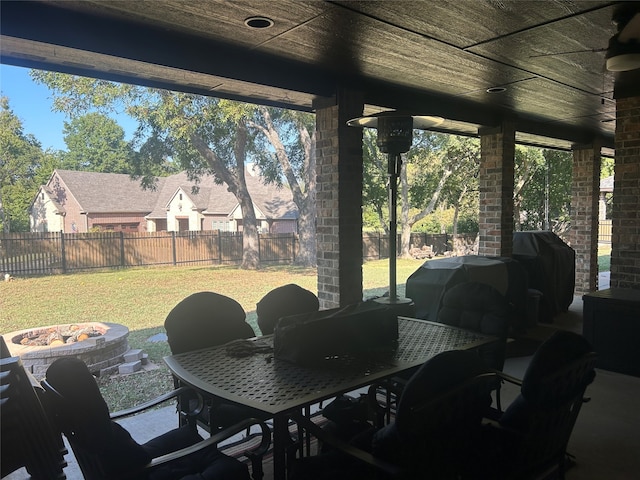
456, 211
6, 227
238, 187
307, 253
304, 198
250, 246
306, 203
409, 222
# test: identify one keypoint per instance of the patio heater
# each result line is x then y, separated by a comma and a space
395, 136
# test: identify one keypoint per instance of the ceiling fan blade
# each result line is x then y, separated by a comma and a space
631, 31
623, 53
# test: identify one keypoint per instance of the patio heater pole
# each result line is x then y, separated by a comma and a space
395, 136
394, 166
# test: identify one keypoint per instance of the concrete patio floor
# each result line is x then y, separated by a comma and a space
605, 441
606, 438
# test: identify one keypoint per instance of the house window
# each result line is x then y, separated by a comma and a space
221, 225
180, 196
42, 196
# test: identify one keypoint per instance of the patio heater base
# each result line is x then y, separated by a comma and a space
404, 307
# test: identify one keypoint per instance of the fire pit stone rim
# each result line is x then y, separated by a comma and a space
111, 333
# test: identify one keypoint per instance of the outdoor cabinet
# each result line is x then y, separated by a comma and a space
612, 325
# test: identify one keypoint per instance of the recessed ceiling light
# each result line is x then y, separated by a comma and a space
496, 90
258, 22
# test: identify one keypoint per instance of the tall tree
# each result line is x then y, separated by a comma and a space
203, 135
528, 161
375, 185
440, 170
95, 142
544, 198
20, 159
291, 157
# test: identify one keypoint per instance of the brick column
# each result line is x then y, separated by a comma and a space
583, 235
625, 215
497, 159
339, 201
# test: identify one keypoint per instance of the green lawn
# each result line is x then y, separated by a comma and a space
604, 257
141, 298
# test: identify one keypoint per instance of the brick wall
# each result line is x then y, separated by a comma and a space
496, 179
339, 202
583, 235
625, 244
116, 220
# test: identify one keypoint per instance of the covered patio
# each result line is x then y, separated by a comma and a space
506, 72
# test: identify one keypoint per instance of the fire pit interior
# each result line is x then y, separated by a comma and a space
57, 336
100, 345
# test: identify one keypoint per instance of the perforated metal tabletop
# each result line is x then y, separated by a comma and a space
275, 386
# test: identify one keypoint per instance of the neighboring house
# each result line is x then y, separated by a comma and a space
87, 201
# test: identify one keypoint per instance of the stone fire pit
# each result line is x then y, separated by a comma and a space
100, 345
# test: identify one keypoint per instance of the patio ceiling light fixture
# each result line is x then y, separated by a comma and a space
258, 23
395, 136
496, 90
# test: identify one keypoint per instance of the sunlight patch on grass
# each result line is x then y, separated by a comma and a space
141, 298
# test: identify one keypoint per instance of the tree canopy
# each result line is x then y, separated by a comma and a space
439, 171
542, 193
23, 167
203, 135
96, 142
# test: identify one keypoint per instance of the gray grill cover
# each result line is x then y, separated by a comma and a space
427, 285
551, 268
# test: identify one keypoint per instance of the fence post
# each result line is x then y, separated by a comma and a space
293, 246
173, 247
121, 248
219, 247
63, 252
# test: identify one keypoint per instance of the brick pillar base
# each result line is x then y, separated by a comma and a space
497, 158
339, 202
583, 235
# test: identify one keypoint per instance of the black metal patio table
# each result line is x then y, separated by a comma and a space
278, 387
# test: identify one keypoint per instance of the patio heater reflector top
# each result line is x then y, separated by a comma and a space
395, 129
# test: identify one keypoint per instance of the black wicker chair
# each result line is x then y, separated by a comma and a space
530, 438
472, 306
438, 422
201, 320
27, 437
205, 319
105, 450
284, 301
481, 308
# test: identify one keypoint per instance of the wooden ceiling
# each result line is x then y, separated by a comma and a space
428, 57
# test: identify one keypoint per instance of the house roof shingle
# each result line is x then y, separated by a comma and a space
109, 192
112, 193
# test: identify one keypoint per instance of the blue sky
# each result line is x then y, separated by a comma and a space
31, 103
